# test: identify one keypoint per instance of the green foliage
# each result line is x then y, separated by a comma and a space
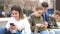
1, 6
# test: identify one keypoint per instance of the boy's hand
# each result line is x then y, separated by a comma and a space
46, 24
39, 25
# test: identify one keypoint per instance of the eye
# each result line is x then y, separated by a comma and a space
15, 13
12, 13
39, 13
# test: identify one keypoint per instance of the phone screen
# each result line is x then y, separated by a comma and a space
12, 24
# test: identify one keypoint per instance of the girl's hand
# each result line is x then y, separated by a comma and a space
11, 27
18, 28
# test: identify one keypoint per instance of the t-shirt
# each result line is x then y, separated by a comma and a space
23, 23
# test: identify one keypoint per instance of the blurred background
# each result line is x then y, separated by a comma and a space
26, 5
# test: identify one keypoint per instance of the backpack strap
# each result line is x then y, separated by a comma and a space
32, 20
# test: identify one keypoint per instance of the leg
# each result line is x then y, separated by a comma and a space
18, 32
52, 32
57, 31
32, 33
38, 33
44, 32
4, 30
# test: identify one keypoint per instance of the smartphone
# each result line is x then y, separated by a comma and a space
12, 24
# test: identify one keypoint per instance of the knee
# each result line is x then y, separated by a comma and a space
3, 30
45, 32
51, 32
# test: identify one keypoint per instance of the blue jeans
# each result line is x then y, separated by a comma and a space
55, 31
52, 32
4, 30
44, 32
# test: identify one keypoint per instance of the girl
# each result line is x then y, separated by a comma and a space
17, 22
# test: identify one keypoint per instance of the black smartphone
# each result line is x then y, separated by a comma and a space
12, 24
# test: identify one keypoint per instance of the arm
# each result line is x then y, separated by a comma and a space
8, 26
18, 28
32, 25
27, 27
53, 21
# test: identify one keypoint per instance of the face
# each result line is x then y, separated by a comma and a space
56, 16
44, 10
39, 13
15, 14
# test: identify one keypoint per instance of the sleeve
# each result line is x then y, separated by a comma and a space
8, 23
54, 23
29, 20
27, 27
32, 24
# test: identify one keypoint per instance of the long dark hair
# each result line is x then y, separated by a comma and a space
18, 8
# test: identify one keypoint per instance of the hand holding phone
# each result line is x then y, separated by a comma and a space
12, 24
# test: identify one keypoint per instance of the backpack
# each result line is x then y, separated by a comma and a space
32, 20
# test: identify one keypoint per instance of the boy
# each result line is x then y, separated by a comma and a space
36, 21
